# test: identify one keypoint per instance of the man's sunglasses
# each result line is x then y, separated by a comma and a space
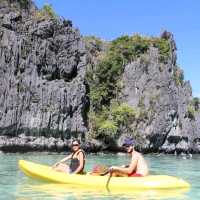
126, 146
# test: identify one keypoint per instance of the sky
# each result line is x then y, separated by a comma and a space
109, 19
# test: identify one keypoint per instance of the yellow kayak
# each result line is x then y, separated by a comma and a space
46, 173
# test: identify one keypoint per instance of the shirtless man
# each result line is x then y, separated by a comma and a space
137, 167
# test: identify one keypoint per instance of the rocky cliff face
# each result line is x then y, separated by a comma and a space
168, 115
152, 85
42, 64
44, 89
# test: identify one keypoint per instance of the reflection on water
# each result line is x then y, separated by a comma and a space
61, 191
14, 185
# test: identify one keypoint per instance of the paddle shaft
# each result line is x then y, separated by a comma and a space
108, 181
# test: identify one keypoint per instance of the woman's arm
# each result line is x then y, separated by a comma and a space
63, 160
81, 163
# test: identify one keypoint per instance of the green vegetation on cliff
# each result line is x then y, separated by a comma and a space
15, 5
178, 76
24, 3
94, 41
110, 119
193, 107
105, 78
46, 12
196, 103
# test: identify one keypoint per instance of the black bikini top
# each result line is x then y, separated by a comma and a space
74, 164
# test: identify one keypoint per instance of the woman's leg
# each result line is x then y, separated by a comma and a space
62, 168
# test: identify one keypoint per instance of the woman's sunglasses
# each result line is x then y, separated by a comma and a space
75, 145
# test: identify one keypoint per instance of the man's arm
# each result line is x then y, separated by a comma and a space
81, 163
129, 169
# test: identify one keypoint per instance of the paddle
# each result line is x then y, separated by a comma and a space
97, 170
104, 173
109, 177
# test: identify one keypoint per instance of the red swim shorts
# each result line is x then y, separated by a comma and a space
135, 175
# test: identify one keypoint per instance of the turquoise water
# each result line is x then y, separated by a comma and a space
14, 185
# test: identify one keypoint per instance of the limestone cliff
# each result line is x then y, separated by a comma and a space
55, 85
164, 116
149, 83
42, 64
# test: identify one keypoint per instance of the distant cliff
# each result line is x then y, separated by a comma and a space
56, 84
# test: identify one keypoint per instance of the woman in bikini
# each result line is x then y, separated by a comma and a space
77, 160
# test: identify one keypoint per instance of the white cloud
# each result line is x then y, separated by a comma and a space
196, 94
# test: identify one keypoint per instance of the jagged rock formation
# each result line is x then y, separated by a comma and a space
152, 85
42, 64
167, 121
44, 90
